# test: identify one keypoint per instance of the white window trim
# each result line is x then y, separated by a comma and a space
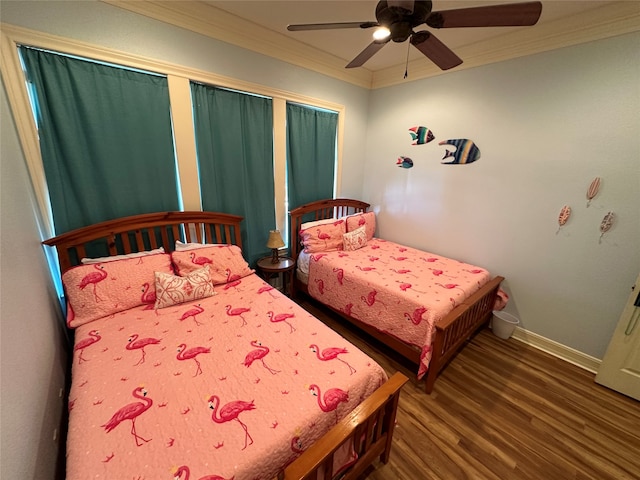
180, 98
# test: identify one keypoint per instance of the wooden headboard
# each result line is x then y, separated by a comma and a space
320, 210
146, 232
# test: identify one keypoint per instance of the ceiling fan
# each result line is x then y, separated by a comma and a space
401, 17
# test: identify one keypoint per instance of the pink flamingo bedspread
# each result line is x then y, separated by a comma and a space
238, 388
398, 290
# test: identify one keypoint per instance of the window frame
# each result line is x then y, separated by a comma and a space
181, 112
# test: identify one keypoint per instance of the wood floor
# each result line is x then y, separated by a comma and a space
503, 410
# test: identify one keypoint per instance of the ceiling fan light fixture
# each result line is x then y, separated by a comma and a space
381, 33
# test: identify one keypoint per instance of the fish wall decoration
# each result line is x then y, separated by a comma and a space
421, 135
592, 191
565, 213
466, 151
606, 224
404, 162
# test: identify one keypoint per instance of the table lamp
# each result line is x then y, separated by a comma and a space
274, 243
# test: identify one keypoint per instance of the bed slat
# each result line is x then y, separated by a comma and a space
71, 246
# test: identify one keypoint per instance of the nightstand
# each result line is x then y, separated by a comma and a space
285, 266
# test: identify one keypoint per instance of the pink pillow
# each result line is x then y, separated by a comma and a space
172, 290
368, 219
226, 262
97, 290
355, 240
322, 236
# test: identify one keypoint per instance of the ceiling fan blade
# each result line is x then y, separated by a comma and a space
508, 15
367, 53
435, 50
330, 26
405, 6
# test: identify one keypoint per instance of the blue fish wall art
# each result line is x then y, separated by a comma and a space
466, 151
404, 162
421, 135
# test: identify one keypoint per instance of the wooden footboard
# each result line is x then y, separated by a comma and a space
451, 332
457, 327
370, 426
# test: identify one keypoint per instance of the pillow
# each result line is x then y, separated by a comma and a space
226, 262
355, 240
181, 246
172, 289
91, 261
368, 219
100, 289
322, 236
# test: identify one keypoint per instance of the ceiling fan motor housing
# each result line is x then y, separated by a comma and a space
399, 22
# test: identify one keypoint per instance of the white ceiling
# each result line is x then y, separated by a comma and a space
261, 26
347, 43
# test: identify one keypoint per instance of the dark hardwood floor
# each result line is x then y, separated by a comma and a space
504, 410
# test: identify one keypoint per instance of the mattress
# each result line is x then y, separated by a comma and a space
398, 290
236, 385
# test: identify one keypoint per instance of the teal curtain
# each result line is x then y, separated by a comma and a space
234, 141
311, 154
106, 139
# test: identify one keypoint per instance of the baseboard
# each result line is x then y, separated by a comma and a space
556, 349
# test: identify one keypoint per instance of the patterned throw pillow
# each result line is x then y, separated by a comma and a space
356, 239
226, 263
172, 289
100, 289
323, 235
368, 219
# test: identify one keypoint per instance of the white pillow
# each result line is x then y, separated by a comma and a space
183, 247
355, 239
90, 261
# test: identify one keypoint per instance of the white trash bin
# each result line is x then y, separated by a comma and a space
503, 324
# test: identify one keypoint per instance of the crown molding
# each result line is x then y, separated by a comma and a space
614, 19
213, 22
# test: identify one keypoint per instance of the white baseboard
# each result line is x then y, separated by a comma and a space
556, 349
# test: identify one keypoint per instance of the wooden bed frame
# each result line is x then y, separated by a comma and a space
452, 331
370, 424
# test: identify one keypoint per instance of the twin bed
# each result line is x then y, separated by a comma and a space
421, 304
188, 365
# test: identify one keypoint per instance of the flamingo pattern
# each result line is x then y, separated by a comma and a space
86, 342
135, 344
131, 411
191, 354
231, 411
252, 380
237, 312
200, 261
331, 399
281, 317
258, 354
93, 279
193, 313
332, 353
379, 271
177, 475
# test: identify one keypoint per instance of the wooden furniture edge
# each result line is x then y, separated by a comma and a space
451, 332
384, 398
328, 208
458, 326
226, 227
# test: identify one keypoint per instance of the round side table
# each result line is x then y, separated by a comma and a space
285, 266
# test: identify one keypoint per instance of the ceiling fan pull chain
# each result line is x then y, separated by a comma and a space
406, 67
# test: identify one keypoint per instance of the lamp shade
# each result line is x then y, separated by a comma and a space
275, 239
